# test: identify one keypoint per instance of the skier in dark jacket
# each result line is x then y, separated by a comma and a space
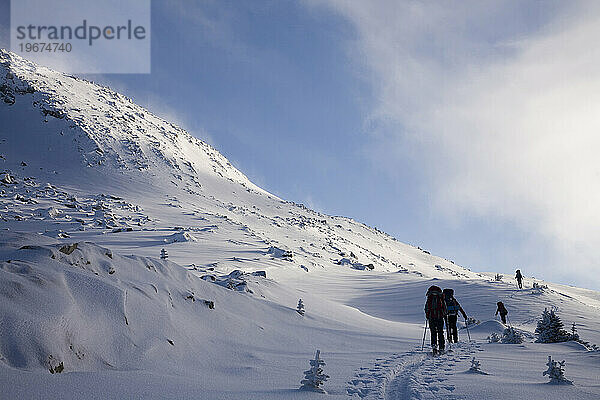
435, 311
452, 307
519, 279
502, 310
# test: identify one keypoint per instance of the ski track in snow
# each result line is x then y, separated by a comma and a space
412, 375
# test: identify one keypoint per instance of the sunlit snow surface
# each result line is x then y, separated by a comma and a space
82, 164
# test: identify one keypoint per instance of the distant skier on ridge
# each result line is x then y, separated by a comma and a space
435, 311
452, 307
519, 279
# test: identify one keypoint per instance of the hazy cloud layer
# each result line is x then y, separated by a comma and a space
500, 105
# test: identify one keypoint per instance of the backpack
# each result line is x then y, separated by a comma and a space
451, 303
501, 308
435, 307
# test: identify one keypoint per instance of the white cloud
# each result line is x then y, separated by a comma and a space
504, 118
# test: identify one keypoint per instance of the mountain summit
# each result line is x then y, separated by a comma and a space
65, 123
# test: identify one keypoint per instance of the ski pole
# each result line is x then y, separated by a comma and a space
424, 334
467, 326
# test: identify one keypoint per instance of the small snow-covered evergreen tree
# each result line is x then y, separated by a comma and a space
476, 368
493, 338
300, 308
511, 336
314, 377
475, 365
556, 372
574, 334
163, 254
550, 328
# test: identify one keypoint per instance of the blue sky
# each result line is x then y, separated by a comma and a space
468, 131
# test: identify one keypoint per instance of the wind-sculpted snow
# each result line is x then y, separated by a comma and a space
91, 309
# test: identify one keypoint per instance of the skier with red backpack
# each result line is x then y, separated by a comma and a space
435, 311
452, 307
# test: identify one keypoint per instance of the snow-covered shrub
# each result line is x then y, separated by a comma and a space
498, 278
163, 254
475, 365
511, 336
314, 377
493, 338
538, 289
556, 372
550, 328
55, 366
300, 308
472, 321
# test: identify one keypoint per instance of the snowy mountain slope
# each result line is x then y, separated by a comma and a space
101, 142
96, 127
84, 165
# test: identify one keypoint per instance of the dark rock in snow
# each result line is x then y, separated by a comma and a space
235, 274
68, 248
210, 304
8, 179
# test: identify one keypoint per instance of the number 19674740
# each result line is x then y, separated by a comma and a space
50, 47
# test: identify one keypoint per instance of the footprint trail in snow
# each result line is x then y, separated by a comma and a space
411, 375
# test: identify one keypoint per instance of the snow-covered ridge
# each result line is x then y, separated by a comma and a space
88, 140
108, 129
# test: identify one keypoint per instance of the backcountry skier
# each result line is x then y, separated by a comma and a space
502, 310
452, 307
519, 279
435, 311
